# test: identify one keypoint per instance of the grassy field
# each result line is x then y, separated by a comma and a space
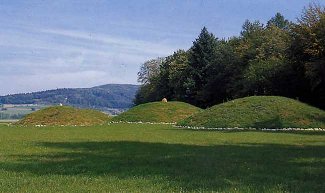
158, 158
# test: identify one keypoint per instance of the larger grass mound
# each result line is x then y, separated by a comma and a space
158, 112
259, 112
64, 115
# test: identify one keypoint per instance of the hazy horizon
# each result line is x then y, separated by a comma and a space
76, 44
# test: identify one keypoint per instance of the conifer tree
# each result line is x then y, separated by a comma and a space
201, 57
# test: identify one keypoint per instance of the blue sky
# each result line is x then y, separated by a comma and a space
49, 44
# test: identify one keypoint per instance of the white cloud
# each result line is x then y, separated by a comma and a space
138, 46
35, 59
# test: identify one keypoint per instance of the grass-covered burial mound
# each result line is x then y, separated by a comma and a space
64, 115
259, 112
158, 112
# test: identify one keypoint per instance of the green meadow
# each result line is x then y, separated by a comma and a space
159, 158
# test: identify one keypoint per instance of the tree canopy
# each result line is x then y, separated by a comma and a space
279, 58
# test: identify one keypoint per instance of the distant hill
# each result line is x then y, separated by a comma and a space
105, 97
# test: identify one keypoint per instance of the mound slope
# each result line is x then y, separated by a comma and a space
158, 112
64, 115
259, 112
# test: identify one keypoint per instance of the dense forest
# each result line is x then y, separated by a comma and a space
277, 58
118, 96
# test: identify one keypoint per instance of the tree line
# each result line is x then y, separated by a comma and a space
277, 58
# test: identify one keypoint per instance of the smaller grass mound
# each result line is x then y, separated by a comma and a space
258, 112
64, 115
158, 112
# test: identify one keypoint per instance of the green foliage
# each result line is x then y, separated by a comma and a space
265, 60
176, 71
220, 75
201, 57
64, 115
259, 112
173, 69
168, 83
146, 93
149, 70
278, 21
159, 158
308, 52
169, 112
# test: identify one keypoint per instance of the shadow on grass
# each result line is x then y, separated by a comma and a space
257, 166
